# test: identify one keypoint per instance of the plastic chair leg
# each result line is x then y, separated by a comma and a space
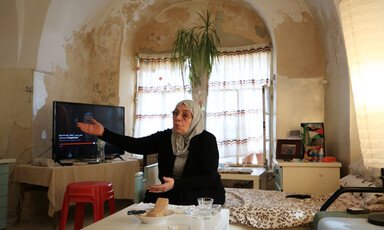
79, 215
98, 211
64, 213
112, 206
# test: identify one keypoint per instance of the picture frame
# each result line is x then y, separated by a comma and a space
287, 149
313, 153
313, 141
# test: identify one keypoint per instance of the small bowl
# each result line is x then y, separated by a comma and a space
155, 220
196, 212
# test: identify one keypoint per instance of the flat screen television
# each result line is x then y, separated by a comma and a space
70, 143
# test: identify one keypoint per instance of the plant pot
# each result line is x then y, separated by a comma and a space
260, 158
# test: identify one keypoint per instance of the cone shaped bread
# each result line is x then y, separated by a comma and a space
160, 209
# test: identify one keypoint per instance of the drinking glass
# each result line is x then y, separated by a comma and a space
100, 151
205, 207
178, 227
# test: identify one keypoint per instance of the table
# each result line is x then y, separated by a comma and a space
120, 220
257, 175
4, 172
120, 173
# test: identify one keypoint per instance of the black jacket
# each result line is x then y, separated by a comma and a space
200, 177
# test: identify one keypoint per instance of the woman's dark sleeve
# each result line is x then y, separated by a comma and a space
143, 145
204, 165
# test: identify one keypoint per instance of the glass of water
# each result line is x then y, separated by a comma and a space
178, 227
205, 207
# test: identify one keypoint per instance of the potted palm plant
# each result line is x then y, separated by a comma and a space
196, 49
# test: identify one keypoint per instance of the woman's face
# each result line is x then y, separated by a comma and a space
182, 119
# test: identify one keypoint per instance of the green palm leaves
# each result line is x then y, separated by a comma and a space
195, 48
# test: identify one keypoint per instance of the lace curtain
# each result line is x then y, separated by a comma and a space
160, 87
235, 101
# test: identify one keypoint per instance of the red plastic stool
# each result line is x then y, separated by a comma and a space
95, 192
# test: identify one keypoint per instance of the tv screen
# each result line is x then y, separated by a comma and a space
69, 142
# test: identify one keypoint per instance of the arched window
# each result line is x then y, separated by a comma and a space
235, 113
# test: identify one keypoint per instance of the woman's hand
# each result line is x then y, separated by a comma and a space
168, 185
95, 129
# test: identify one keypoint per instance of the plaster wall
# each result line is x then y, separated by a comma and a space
85, 68
340, 123
16, 99
16, 113
21, 24
295, 37
62, 23
299, 64
236, 25
299, 100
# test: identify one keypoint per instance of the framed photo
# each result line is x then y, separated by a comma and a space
288, 149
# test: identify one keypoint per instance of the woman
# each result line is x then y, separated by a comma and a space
187, 156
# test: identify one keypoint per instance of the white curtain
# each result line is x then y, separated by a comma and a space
364, 39
235, 102
159, 88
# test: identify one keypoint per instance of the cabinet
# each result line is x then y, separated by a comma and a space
4, 171
307, 177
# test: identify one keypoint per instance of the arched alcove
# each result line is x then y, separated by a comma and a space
237, 22
236, 25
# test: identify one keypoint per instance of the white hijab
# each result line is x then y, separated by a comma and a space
180, 143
